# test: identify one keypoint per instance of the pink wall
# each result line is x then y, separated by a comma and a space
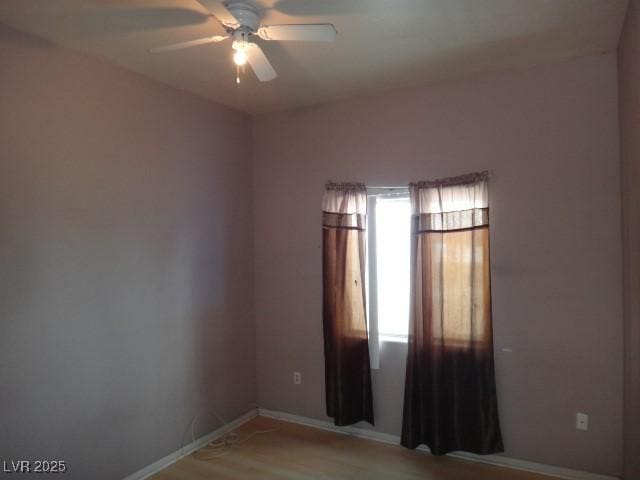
125, 263
550, 137
629, 77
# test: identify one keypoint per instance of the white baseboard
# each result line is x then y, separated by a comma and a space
163, 463
497, 460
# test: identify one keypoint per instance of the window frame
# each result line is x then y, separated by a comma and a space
371, 284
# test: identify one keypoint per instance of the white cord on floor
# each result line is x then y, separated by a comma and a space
221, 446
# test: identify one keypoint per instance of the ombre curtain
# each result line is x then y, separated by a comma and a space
346, 347
450, 392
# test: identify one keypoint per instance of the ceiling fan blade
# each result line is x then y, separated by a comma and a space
322, 32
220, 11
259, 62
190, 43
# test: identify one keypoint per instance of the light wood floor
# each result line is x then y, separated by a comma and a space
297, 452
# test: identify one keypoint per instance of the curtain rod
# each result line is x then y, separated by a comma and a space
460, 179
450, 181
360, 185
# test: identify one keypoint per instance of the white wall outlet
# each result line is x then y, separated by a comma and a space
582, 421
297, 378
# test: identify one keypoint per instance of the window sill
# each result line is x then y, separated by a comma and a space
393, 338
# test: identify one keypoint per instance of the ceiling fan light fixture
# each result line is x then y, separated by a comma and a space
239, 57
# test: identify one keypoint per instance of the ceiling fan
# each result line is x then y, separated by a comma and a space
242, 23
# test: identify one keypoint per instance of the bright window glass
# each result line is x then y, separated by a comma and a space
393, 230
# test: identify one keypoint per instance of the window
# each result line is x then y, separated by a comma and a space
389, 263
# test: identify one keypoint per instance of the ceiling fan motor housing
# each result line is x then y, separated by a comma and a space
246, 15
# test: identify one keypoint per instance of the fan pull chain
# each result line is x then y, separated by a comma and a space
239, 70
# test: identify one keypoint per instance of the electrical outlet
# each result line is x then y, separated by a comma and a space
582, 421
297, 378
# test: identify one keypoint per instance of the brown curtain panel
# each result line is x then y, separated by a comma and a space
346, 346
450, 392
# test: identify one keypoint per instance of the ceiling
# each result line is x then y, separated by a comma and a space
381, 44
